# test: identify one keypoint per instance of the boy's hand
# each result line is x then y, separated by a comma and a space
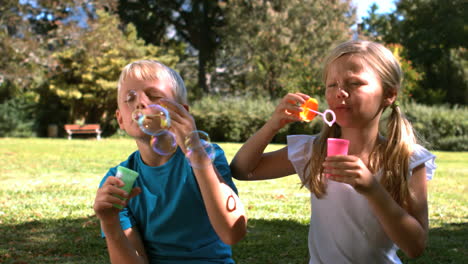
105, 198
287, 110
182, 122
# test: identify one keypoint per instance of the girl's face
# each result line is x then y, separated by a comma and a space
139, 94
354, 92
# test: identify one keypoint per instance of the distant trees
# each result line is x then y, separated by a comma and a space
195, 22
265, 47
272, 47
434, 35
60, 60
64, 58
85, 72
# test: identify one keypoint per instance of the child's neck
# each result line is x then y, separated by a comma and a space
149, 157
362, 142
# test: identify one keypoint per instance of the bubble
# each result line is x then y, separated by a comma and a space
199, 140
136, 115
152, 119
163, 142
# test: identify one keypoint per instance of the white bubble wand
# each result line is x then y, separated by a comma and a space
324, 116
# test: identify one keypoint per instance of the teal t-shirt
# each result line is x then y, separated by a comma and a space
170, 213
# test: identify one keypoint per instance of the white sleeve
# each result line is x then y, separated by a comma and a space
423, 156
300, 152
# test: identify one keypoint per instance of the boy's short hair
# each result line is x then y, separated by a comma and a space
155, 70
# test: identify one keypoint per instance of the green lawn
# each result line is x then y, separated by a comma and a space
47, 188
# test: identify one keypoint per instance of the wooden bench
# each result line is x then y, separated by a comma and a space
83, 129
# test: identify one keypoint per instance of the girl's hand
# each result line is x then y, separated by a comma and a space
351, 170
105, 198
288, 110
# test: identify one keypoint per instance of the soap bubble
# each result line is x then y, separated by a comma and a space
136, 115
163, 142
152, 119
198, 140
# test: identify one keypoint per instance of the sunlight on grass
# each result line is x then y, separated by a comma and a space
47, 189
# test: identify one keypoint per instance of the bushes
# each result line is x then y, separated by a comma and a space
232, 119
17, 117
443, 128
235, 119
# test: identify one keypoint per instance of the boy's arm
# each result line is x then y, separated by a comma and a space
225, 210
125, 247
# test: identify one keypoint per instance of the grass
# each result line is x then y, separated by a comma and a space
47, 188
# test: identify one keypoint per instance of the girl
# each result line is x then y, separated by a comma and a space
375, 199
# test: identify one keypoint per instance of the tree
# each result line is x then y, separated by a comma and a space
85, 72
195, 22
434, 35
22, 51
277, 46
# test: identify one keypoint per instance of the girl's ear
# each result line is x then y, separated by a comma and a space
390, 97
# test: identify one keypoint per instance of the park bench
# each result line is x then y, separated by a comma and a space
83, 129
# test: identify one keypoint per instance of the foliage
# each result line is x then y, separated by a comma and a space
46, 213
17, 117
412, 76
86, 71
22, 51
271, 47
440, 127
194, 22
434, 35
232, 119
235, 119
454, 143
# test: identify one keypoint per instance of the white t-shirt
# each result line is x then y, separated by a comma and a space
343, 228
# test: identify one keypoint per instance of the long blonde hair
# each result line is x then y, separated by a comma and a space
392, 155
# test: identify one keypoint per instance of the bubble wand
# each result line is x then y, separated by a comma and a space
311, 110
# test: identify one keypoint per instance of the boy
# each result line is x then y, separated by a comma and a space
176, 213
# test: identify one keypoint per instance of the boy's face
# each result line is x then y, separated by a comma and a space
139, 94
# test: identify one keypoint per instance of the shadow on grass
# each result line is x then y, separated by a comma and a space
285, 241
447, 244
53, 241
267, 242
273, 241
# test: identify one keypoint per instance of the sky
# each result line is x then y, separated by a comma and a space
363, 6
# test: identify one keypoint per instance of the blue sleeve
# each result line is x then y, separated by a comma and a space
223, 168
126, 218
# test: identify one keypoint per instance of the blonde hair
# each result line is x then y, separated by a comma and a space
392, 154
155, 70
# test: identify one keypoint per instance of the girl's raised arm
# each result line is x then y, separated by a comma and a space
250, 163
